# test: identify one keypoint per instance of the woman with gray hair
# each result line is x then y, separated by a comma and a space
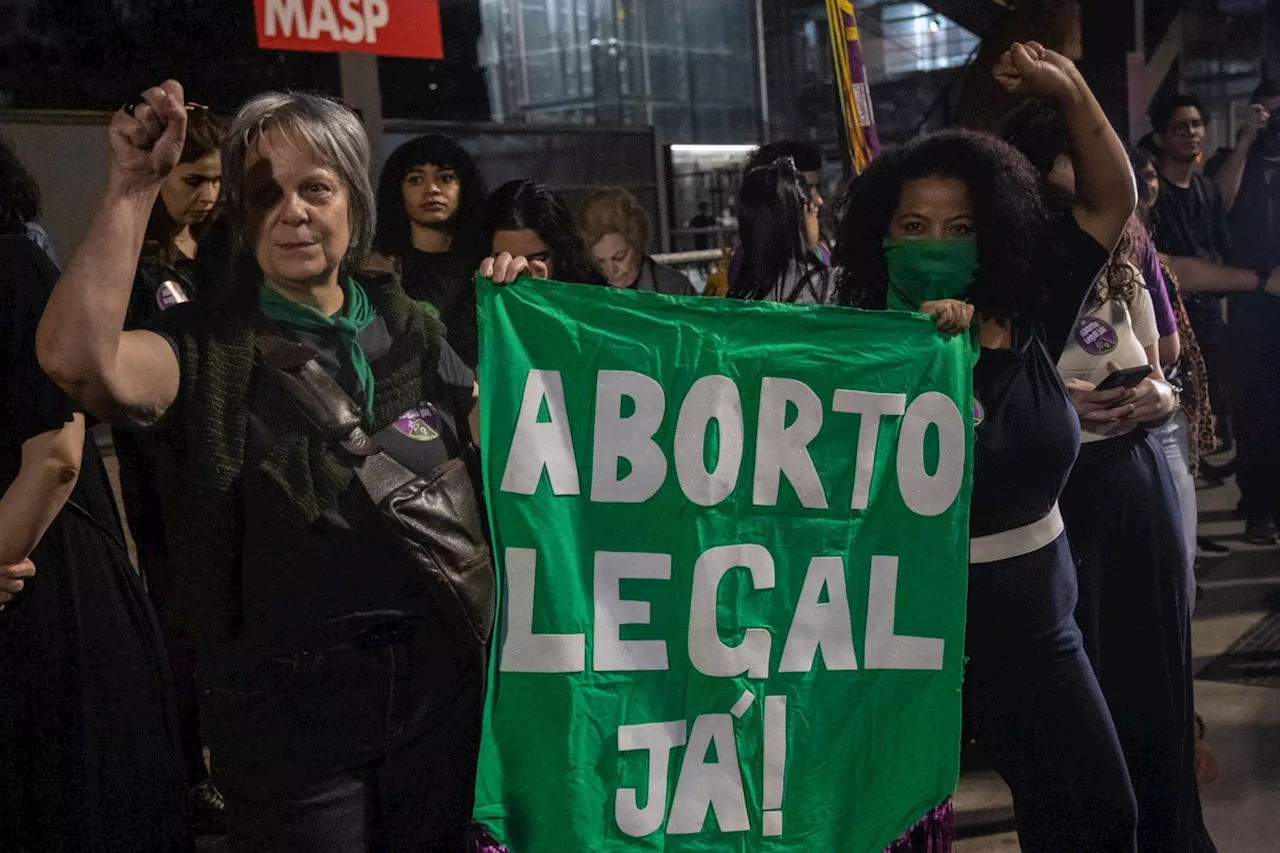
343, 708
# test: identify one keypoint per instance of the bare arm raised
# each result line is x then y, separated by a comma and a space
126, 378
1105, 191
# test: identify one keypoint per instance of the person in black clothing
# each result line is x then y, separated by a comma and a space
430, 210
960, 216
183, 259
342, 704
1249, 178
1192, 236
526, 219
88, 755
703, 219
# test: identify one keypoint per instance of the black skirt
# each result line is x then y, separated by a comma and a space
1122, 518
88, 745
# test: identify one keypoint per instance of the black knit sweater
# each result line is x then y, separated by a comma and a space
208, 425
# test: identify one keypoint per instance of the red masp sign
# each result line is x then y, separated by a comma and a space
385, 27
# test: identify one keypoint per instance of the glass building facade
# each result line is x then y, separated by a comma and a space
688, 68
911, 53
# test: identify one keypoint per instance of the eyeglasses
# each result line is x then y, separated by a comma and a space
1186, 128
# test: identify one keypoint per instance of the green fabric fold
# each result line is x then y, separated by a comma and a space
356, 316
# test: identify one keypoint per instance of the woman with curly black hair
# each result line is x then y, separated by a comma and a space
527, 219
959, 216
1123, 517
430, 214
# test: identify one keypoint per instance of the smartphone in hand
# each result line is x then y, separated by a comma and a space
1127, 377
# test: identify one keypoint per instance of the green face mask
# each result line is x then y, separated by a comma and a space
921, 271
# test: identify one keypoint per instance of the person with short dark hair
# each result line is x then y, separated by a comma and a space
430, 220
958, 219
1192, 234
526, 219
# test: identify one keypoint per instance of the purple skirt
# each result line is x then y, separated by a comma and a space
934, 833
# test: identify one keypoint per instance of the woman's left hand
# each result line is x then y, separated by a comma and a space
1151, 401
1032, 70
951, 315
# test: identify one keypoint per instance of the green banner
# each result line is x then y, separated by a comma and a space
733, 548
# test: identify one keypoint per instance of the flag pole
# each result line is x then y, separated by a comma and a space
851, 84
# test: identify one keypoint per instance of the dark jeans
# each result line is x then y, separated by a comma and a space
368, 746
1036, 707
1122, 515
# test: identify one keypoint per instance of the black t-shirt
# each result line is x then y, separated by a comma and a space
1190, 222
158, 286
31, 402
303, 587
1027, 433
446, 281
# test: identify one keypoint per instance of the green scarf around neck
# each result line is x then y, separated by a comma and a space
923, 271
356, 315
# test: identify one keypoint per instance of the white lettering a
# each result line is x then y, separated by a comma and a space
819, 625
537, 446
715, 786
324, 21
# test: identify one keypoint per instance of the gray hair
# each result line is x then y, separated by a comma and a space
325, 126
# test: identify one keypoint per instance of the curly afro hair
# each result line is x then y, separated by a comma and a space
1012, 222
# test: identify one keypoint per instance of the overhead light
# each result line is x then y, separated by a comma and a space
712, 150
